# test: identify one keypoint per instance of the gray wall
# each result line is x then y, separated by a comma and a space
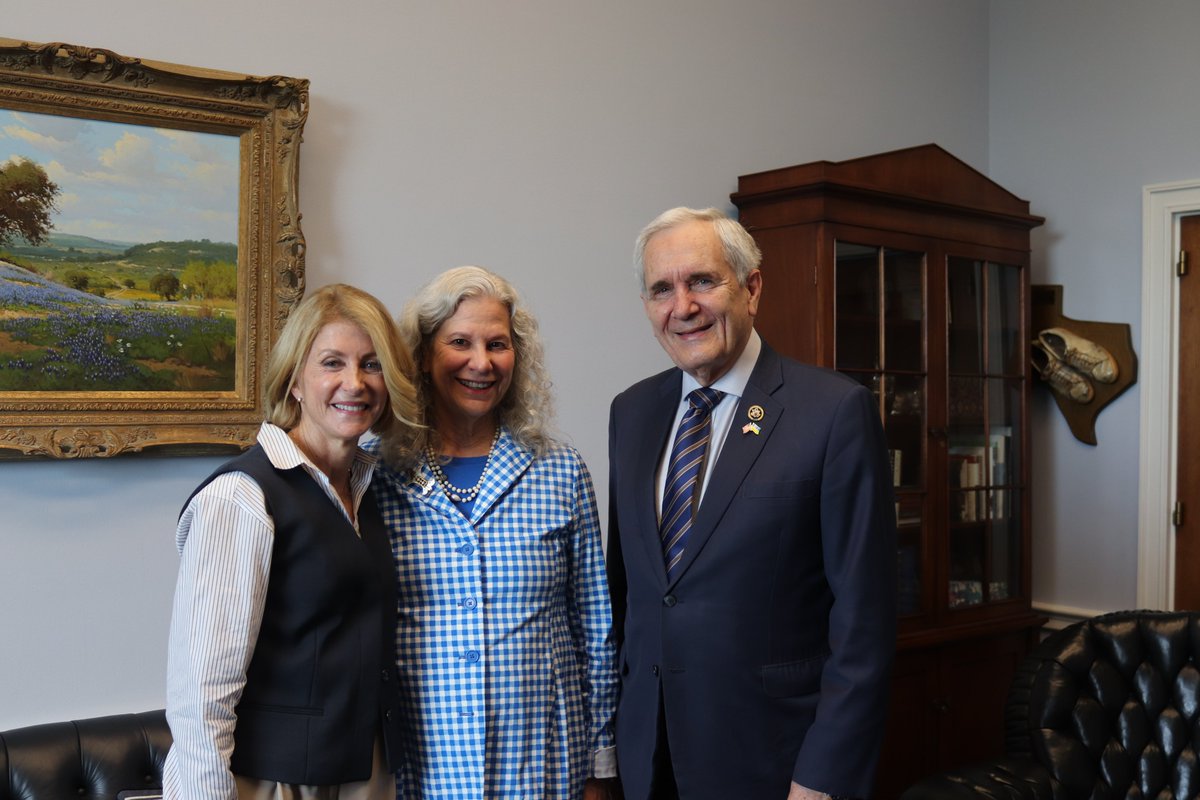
536, 137
1089, 103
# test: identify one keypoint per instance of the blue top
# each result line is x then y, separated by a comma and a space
462, 472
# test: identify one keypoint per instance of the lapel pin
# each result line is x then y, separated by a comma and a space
751, 427
755, 413
423, 483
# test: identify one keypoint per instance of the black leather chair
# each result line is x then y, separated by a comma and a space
1106, 708
94, 759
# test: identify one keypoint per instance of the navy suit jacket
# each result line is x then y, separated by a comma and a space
771, 650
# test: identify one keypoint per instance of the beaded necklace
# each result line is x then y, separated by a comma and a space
453, 492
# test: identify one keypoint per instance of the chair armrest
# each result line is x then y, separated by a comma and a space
1008, 778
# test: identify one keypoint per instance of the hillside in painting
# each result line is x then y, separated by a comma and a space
79, 314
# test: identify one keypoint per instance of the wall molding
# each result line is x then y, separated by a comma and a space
1062, 616
1162, 206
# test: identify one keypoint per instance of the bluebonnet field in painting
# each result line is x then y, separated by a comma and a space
55, 338
130, 284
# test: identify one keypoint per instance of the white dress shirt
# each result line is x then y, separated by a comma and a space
733, 385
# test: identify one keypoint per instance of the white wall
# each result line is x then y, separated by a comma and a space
1090, 101
532, 136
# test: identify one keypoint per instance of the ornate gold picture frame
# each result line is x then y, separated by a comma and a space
150, 250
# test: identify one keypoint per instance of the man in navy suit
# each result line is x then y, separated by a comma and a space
756, 644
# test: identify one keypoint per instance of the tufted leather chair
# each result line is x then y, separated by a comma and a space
1106, 708
92, 759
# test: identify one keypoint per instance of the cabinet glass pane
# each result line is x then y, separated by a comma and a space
968, 504
880, 327
966, 409
904, 310
904, 424
985, 553
967, 555
965, 295
909, 533
984, 413
1005, 428
1004, 556
1006, 353
857, 306
873, 381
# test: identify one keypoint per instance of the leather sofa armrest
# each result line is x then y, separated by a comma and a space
1009, 778
96, 757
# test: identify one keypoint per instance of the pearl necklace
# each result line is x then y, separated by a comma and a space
453, 492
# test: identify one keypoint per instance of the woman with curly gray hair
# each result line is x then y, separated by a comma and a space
504, 638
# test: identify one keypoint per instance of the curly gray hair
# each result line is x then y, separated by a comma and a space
526, 409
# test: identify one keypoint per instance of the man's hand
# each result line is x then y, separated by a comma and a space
798, 792
602, 789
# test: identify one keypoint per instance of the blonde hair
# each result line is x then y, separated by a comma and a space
526, 409
334, 303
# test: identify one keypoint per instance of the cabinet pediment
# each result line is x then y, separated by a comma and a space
925, 175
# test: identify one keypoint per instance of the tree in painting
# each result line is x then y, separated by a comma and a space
26, 200
165, 285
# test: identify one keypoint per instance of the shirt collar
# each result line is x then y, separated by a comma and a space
283, 453
734, 381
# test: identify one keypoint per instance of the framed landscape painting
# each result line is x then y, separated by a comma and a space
150, 250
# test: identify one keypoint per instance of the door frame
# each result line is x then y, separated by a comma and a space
1162, 206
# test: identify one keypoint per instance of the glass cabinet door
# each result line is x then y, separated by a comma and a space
984, 431
880, 314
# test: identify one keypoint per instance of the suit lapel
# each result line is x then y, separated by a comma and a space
738, 453
651, 435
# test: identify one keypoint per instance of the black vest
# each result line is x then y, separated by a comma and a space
323, 681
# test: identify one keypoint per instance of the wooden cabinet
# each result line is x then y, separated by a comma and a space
909, 272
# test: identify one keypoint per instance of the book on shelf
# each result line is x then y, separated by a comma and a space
895, 457
998, 444
972, 505
967, 464
1001, 500
967, 470
998, 458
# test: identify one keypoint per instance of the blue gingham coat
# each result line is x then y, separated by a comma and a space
504, 634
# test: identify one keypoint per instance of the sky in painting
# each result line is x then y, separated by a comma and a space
128, 183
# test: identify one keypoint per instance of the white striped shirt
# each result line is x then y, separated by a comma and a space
225, 539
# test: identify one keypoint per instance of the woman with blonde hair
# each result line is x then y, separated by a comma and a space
508, 682
281, 676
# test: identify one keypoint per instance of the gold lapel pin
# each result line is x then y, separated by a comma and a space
755, 413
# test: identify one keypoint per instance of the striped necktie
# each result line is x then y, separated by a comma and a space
683, 475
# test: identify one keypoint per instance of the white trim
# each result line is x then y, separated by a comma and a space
1162, 205
1062, 616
